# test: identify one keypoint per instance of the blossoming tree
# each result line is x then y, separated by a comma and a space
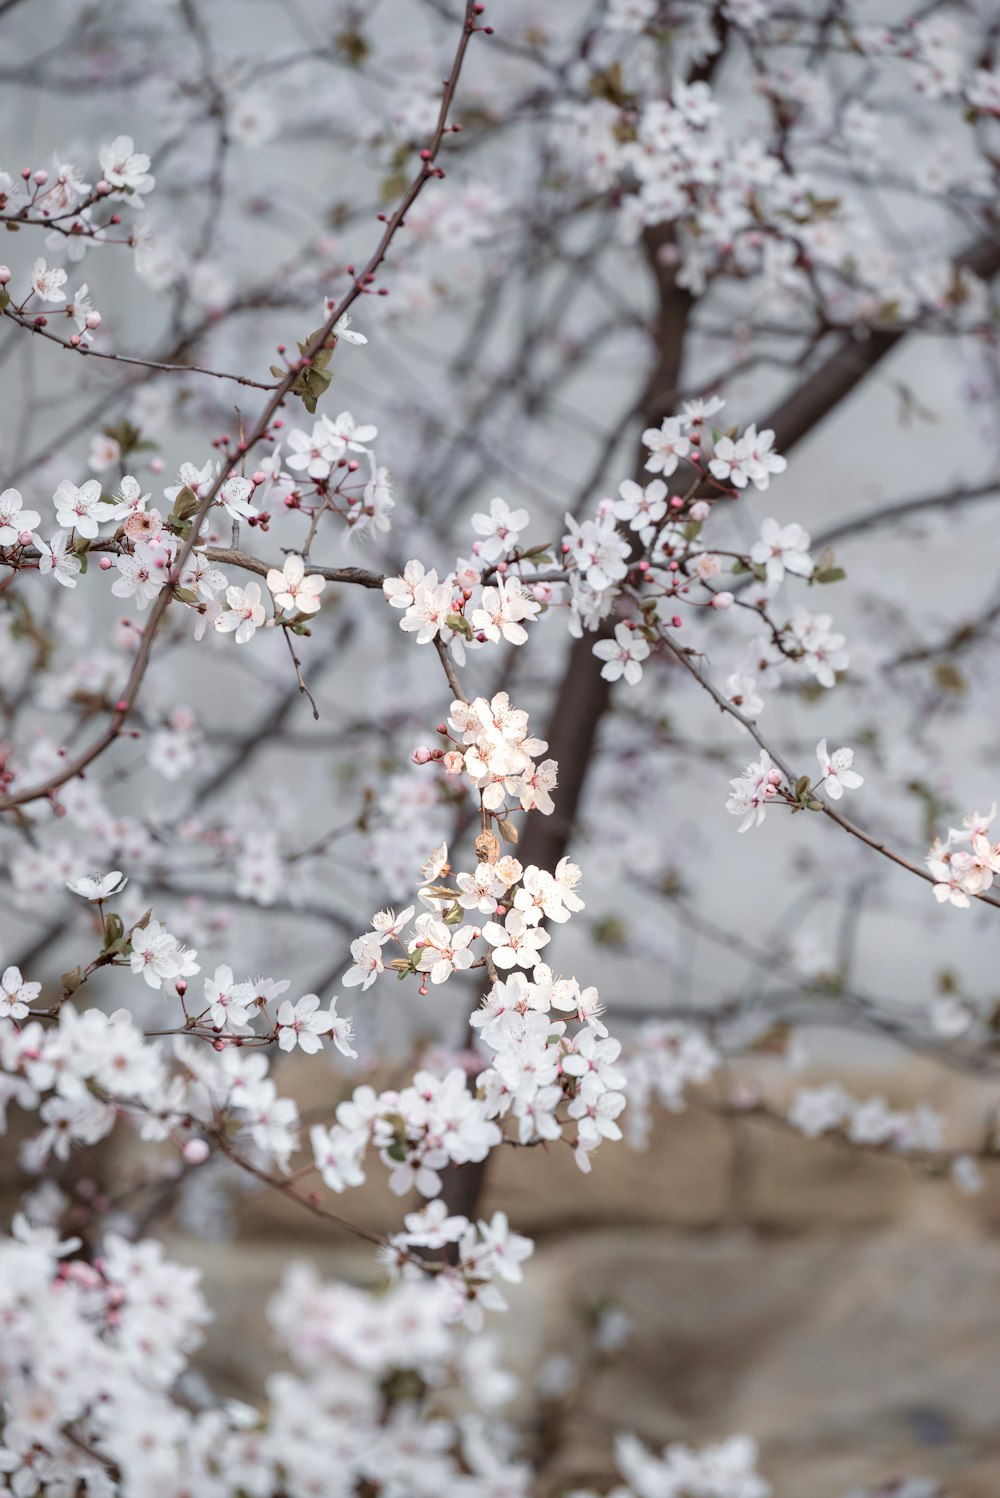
273, 706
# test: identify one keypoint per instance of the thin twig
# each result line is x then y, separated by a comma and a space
683, 656
298, 673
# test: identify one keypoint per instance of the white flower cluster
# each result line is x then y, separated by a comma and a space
546, 1079
461, 611
323, 469
758, 785
965, 863
822, 1110
728, 1470
499, 755
90, 1069
481, 1257
417, 1131
84, 1405
667, 1057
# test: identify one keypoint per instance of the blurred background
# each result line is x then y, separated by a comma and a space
835, 1301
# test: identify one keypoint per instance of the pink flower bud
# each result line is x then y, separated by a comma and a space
422, 755
4, 274
103, 188
156, 465
105, 564
195, 1152
723, 601
40, 178
700, 510
24, 538
93, 320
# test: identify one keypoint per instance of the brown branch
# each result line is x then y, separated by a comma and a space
29, 326
360, 576
907, 509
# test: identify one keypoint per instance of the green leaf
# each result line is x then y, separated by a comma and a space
949, 678
185, 505
829, 575
460, 625
353, 47
114, 930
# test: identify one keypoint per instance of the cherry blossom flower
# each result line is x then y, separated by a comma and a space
821, 646
742, 692
198, 480
366, 955
342, 329
346, 436
15, 995
667, 444
389, 926
245, 613
56, 558
229, 1003
782, 549
641, 507
156, 955
48, 281
300, 1024
747, 459
623, 655
293, 590
836, 771
140, 575
501, 529
314, 453
100, 886
442, 949
816, 1110
515, 942
234, 496
501, 610
427, 615
753, 790
599, 551
80, 508
14, 519
503, 1252
126, 168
